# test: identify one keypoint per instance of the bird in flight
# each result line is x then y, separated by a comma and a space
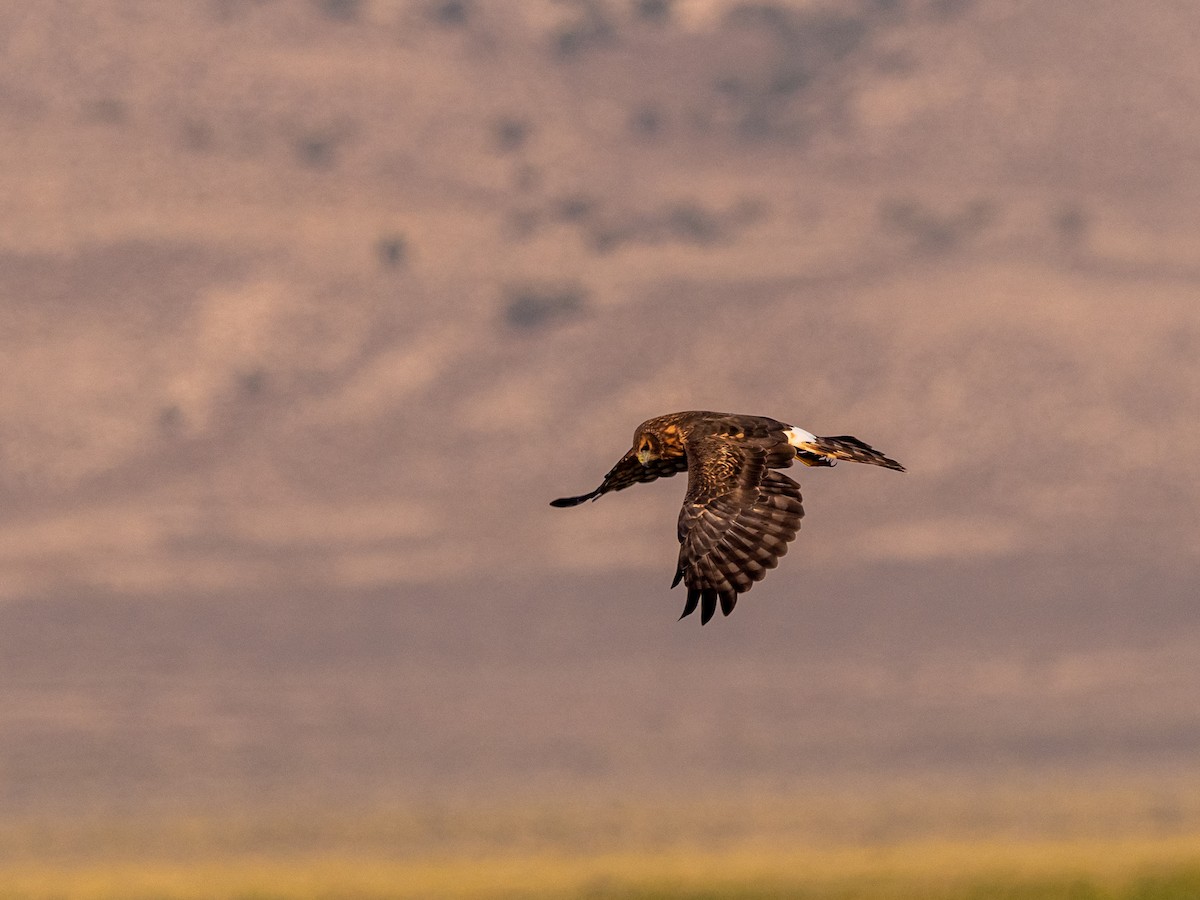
739, 514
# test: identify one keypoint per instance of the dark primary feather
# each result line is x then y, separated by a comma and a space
575, 501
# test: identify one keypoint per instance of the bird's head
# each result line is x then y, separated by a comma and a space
647, 446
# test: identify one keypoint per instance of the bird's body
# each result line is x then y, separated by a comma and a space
739, 513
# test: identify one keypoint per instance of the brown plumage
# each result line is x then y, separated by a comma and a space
739, 513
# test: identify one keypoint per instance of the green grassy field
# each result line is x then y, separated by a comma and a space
914, 841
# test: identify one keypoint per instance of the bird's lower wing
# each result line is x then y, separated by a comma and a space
733, 530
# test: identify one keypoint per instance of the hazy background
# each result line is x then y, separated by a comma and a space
308, 307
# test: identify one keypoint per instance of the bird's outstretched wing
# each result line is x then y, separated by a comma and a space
737, 520
627, 472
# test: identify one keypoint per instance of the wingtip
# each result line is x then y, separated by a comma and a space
575, 501
689, 606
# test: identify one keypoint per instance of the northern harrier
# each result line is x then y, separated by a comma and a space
738, 514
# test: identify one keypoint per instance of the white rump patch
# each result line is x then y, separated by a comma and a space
798, 437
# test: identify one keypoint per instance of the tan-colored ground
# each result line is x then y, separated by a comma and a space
950, 838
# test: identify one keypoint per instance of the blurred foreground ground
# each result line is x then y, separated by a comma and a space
933, 839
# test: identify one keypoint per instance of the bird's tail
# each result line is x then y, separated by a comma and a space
825, 451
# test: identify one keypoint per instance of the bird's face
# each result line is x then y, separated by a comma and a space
647, 448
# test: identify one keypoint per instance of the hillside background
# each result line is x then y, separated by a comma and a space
307, 309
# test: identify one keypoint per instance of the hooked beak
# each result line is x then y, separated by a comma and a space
644, 456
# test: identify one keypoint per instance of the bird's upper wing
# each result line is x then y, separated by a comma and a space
628, 471
737, 519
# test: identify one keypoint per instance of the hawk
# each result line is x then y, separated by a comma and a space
739, 513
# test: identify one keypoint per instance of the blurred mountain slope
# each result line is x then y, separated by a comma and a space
271, 262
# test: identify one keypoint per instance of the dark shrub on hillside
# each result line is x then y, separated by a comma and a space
451, 13
933, 231
340, 10
536, 306
511, 133
392, 251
